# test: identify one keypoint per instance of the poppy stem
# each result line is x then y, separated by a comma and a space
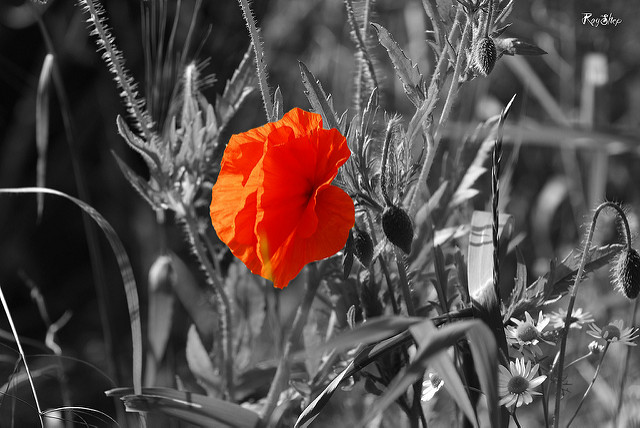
572, 299
281, 378
222, 300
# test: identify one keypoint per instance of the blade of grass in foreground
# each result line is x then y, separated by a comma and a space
125, 271
24, 360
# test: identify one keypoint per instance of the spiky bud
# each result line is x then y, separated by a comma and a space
363, 247
626, 273
484, 55
398, 228
347, 257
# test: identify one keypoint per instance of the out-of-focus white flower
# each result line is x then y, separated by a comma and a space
578, 318
615, 332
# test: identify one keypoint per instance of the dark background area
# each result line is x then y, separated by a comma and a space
53, 252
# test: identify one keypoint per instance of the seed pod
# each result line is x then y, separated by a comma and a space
398, 228
347, 258
626, 273
363, 247
484, 55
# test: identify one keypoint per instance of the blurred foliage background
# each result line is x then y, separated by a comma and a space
554, 153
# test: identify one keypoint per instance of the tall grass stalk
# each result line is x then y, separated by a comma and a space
572, 298
7, 312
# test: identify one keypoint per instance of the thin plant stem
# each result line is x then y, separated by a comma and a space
574, 292
623, 375
223, 300
404, 283
5, 306
593, 381
385, 161
281, 377
455, 79
261, 64
577, 360
515, 418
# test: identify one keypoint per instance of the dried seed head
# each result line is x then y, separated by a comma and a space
484, 55
626, 273
398, 228
363, 247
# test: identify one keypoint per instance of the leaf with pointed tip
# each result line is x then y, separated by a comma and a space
317, 98
187, 406
408, 73
151, 158
200, 364
242, 83
137, 182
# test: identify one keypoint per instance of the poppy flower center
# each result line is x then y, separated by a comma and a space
517, 385
527, 332
610, 332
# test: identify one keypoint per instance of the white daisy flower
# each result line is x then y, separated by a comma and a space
431, 386
516, 385
615, 332
578, 318
527, 334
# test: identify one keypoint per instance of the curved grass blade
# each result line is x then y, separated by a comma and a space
364, 357
430, 347
125, 271
42, 126
371, 331
194, 408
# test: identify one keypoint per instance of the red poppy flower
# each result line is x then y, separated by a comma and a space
273, 203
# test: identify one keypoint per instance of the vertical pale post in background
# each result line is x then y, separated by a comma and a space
593, 112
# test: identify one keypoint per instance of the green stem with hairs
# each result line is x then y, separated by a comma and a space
593, 381
221, 296
281, 378
574, 292
261, 64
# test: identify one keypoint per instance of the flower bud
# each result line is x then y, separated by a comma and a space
484, 55
363, 247
626, 273
398, 228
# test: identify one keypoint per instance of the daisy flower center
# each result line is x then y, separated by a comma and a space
610, 332
517, 385
527, 332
